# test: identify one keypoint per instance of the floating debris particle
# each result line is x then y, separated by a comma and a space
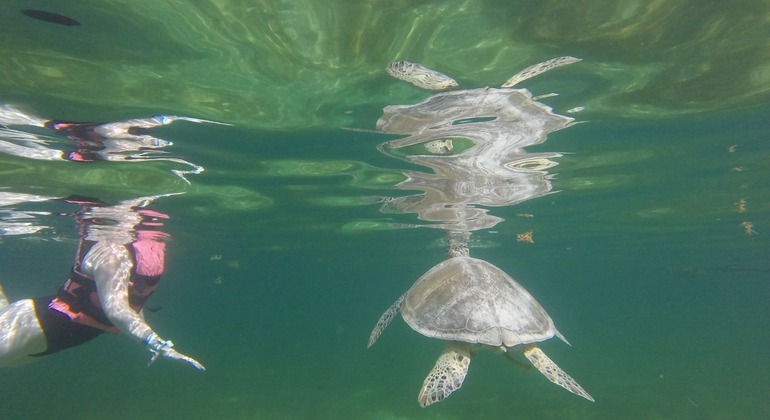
741, 205
525, 237
748, 227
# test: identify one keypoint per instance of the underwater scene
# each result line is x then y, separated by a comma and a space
449, 209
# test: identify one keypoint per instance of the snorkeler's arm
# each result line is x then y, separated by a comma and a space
121, 129
110, 265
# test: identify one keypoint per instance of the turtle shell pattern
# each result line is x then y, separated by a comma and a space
470, 300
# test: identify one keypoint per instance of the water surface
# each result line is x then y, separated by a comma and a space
281, 258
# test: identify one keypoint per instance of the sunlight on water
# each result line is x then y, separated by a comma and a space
300, 64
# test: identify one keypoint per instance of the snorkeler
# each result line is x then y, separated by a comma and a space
118, 264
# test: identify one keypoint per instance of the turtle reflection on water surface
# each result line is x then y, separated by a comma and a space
467, 301
429, 79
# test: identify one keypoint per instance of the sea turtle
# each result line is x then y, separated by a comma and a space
473, 304
425, 78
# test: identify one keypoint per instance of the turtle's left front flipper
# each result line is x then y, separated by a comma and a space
446, 377
385, 320
547, 367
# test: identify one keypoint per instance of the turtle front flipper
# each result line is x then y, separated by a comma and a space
446, 377
547, 367
539, 68
385, 320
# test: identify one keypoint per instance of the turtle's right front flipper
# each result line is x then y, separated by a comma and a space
550, 370
385, 320
539, 68
446, 377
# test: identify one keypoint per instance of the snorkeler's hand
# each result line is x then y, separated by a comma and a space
160, 347
173, 354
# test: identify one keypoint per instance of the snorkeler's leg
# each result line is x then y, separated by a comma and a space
20, 333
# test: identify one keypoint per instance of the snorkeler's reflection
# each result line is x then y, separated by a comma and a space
121, 249
117, 266
473, 141
124, 141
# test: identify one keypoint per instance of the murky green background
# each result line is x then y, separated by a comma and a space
641, 258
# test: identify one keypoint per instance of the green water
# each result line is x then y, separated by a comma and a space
641, 258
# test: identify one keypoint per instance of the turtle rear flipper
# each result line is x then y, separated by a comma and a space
446, 377
547, 367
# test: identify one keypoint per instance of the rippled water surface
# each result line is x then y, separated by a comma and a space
646, 242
